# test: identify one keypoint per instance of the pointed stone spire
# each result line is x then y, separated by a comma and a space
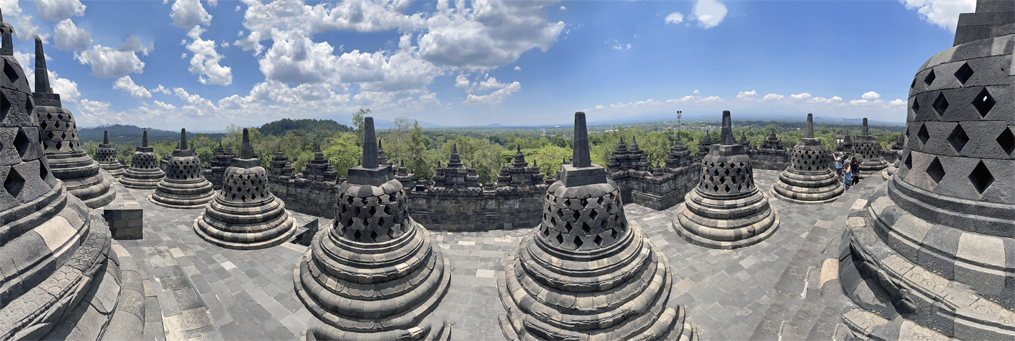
245, 146
727, 129
581, 157
865, 131
810, 126
41, 72
144, 138
369, 144
105, 137
183, 138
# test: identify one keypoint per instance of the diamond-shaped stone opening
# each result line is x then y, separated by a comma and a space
909, 161
577, 215
586, 228
560, 239
356, 235
30, 108
43, 171
963, 73
958, 138
14, 183
935, 170
941, 104
578, 242
923, 134
373, 236
593, 214
980, 177
10, 73
1006, 140
546, 231
598, 240
567, 227
914, 84
983, 102
930, 78
916, 105
21, 143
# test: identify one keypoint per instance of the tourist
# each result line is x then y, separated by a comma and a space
855, 167
847, 175
838, 165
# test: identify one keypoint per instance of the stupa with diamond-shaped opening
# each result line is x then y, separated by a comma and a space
245, 214
810, 178
106, 155
726, 210
586, 272
869, 149
930, 254
68, 161
184, 185
374, 274
144, 171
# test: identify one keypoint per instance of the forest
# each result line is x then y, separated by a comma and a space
487, 149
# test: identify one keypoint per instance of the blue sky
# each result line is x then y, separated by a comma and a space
203, 65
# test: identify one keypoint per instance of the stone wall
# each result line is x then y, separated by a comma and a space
313, 197
474, 209
657, 191
771, 159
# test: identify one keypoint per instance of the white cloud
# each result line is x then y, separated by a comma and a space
53, 10
67, 89
97, 112
687, 98
237, 8
870, 95
430, 98
205, 62
711, 99
800, 96
162, 89
22, 22
126, 84
834, 99
109, 63
187, 13
462, 82
194, 102
68, 36
496, 97
709, 13
674, 18
618, 45
898, 102
747, 94
562, 8
518, 68
772, 97
600, 107
164, 106
133, 44
943, 13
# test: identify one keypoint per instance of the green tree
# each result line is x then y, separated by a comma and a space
549, 158
343, 152
357, 122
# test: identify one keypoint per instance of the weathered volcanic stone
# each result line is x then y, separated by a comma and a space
374, 274
810, 178
726, 210
219, 163
68, 161
935, 244
519, 173
245, 214
184, 185
868, 148
144, 171
55, 250
585, 273
705, 146
678, 156
106, 155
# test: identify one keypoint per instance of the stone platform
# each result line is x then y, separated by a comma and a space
778, 287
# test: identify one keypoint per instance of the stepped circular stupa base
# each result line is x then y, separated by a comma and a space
820, 188
142, 178
114, 170
871, 168
417, 272
726, 223
184, 194
246, 226
81, 178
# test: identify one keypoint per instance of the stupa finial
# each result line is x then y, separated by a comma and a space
580, 156
810, 126
369, 144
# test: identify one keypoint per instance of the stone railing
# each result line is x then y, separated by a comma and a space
657, 191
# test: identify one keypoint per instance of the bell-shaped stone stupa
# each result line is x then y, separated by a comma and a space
184, 185
931, 253
586, 272
68, 161
726, 210
374, 274
810, 178
144, 171
56, 251
106, 155
245, 214
679, 155
869, 149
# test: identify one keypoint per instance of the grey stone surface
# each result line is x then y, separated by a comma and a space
811, 178
661, 188
144, 171
184, 185
106, 156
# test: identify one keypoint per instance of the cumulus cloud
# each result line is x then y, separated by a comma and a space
773, 97
161, 89
600, 107
53, 10
496, 97
68, 36
518, 68
711, 99
747, 94
562, 8
98, 112
870, 95
675, 18
800, 96
897, 102
164, 106
188, 13
696, 92
834, 99
126, 84
22, 22
133, 44
109, 63
943, 13
205, 62
709, 13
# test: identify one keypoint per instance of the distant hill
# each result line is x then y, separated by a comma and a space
129, 134
283, 126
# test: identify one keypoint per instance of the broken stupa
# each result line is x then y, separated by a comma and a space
184, 185
62, 277
726, 210
374, 274
245, 214
810, 178
67, 160
586, 272
144, 171
930, 254
106, 155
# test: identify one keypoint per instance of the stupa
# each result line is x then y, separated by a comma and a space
219, 162
810, 178
868, 148
726, 210
245, 214
704, 146
374, 274
929, 255
57, 251
679, 155
67, 160
184, 185
106, 155
144, 171
586, 272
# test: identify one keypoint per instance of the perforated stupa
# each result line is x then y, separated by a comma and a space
810, 178
144, 171
106, 155
184, 185
868, 148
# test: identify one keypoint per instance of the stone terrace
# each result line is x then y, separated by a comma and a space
768, 291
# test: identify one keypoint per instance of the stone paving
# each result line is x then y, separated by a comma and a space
771, 290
